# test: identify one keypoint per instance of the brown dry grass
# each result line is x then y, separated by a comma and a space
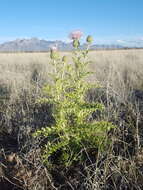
120, 72
118, 68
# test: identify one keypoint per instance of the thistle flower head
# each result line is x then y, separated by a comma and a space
89, 39
54, 48
75, 35
54, 53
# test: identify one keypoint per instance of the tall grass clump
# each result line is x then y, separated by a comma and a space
73, 133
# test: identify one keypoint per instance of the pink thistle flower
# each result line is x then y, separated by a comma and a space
75, 35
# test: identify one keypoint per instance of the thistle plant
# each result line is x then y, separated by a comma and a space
73, 133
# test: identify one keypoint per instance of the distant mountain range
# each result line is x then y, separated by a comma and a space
35, 44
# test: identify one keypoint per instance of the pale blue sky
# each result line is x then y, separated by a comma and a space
106, 20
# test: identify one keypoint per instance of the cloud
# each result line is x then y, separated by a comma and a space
121, 41
132, 42
141, 38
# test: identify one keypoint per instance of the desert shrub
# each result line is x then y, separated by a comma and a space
73, 135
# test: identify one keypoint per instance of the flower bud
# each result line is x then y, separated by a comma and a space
54, 48
64, 59
53, 53
89, 39
76, 43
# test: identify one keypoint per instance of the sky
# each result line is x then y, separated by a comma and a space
107, 20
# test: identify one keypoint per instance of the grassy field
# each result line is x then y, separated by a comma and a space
119, 74
115, 67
